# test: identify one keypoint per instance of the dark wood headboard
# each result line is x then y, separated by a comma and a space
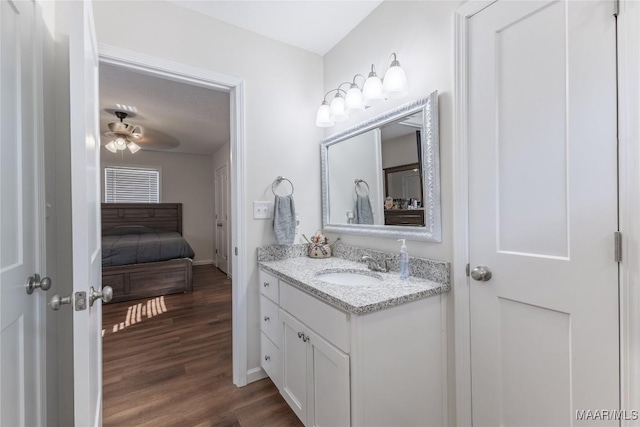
164, 216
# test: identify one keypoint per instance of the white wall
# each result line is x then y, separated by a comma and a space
421, 33
283, 88
359, 158
399, 151
184, 178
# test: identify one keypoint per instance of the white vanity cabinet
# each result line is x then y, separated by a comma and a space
383, 368
270, 355
315, 380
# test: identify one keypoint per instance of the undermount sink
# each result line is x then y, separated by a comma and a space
350, 277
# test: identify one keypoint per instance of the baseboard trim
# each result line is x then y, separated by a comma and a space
203, 262
255, 374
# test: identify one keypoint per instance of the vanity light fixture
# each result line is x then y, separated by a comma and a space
372, 92
323, 117
393, 86
353, 99
395, 81
338, 114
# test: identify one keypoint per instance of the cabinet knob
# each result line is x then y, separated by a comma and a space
265, 284
266, 318
267, 358
300, 334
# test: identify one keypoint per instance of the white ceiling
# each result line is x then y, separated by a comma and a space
315, 26
175, 116
189, 119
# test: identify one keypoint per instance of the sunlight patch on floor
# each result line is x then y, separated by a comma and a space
138, 312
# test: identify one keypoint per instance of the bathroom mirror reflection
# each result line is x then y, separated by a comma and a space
381, 177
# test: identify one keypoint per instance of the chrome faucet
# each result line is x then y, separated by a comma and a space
374, 265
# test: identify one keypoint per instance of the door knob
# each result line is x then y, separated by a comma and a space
57, 301
481, 273
35, 281
106, 294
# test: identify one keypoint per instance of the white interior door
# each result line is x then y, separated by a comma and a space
543, 212
20, 220
222, 218
85, 205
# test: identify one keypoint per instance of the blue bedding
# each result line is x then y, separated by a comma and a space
137, 244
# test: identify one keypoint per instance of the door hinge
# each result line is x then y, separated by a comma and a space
617, 241
467, 269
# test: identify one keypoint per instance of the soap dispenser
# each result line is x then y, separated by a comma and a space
403, 260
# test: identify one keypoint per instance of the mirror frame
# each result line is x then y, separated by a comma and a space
432, 231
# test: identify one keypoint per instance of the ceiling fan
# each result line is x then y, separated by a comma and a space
123, 134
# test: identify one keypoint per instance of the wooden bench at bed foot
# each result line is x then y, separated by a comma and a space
150, 279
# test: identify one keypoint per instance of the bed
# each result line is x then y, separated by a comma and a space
143, 252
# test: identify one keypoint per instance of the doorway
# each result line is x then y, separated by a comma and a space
190, 75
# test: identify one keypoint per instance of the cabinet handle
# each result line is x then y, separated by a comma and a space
300, 335
266, 318
265, 284
267, 358
306, 338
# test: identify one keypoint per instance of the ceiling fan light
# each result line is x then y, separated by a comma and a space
120, 143
111, 147
133, 147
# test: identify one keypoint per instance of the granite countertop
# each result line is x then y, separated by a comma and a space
301, 272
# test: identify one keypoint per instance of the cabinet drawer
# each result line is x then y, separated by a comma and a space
331, 323
268, 285
269, 319
270, 360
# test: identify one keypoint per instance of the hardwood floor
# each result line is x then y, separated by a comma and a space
167, 361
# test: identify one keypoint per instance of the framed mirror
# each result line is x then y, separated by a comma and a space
381, 178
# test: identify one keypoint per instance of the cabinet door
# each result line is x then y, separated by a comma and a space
329, 389
294, 365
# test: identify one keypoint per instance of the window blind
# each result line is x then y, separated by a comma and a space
131, 185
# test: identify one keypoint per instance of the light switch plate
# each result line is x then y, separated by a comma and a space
261, 210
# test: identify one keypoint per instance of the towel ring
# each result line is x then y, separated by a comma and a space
361, 181
278, 180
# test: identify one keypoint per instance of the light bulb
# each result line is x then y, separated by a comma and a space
395, 81
111, 147
337, 109
372, 90
353, 100
120, 144
133, 147
323, 117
